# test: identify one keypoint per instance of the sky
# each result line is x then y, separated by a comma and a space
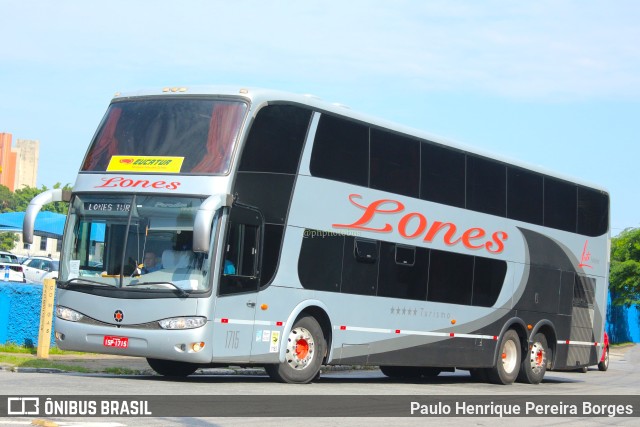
552, 83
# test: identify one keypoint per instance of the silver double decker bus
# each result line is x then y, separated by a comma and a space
230, 226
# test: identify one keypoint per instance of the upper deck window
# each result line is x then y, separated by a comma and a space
199, 132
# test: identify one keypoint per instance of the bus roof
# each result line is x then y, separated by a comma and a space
259, 96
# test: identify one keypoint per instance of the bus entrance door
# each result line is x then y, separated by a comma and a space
237, 294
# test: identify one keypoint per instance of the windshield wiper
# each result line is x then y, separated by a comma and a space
181, 292
80, 279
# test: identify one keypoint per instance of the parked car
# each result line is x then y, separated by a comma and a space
10, 272
37, 269
8, 257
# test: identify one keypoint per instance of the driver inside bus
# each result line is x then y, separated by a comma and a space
151, 263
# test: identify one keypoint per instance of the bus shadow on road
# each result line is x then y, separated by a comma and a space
347, 377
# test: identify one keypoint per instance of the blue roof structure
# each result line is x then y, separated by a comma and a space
49, 224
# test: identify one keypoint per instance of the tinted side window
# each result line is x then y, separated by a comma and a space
443, 175
488, 277
560, 205
593, 212
395, 165
275, 140
486, 186
341, 151
450, 278
404, 272
360, 272
320, 261
524, 195
270, 252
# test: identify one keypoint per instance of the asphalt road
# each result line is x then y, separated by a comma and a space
257, 395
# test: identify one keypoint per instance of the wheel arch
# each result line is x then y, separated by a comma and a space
547, 328
318, 311
519, 326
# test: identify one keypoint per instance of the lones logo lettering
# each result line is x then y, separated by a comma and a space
413, 225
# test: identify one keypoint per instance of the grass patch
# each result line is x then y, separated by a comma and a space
29, 362
22, 349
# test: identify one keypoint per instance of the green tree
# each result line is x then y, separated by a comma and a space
24, 195
18, 202
624, 276
7, 200
8, 241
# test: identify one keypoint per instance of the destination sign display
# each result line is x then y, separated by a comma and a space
107, 207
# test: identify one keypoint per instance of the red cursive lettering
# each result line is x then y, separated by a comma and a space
585, 257
370, 212
414, 224
121, 182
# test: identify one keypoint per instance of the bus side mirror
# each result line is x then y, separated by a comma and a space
204, 218
49, 196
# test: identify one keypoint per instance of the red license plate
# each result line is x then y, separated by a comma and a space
119, 342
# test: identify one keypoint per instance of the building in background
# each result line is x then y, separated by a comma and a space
27, 162
19, 164
19, 169
8, 162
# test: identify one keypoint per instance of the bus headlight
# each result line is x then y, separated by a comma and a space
68, 314
182, 322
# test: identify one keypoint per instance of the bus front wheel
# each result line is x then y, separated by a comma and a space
305, 349
508, 363
171, 368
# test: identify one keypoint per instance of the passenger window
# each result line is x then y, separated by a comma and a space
486, 186
450, 278
560, 205
405, 255
359, 267
404, 272
593, 212
488, 278
524, 195
341, 151
395, 163
443, 175
366, 250
275, 140
320, 261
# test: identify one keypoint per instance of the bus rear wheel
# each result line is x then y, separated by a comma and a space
305, 349
508, 363
534, 363
171, 368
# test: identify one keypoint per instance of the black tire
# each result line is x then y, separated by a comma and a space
479, 375
509, 360
171, 368
306, 348
603, 365
534, 361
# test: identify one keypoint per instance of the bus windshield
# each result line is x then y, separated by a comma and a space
196, 135
133, 242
